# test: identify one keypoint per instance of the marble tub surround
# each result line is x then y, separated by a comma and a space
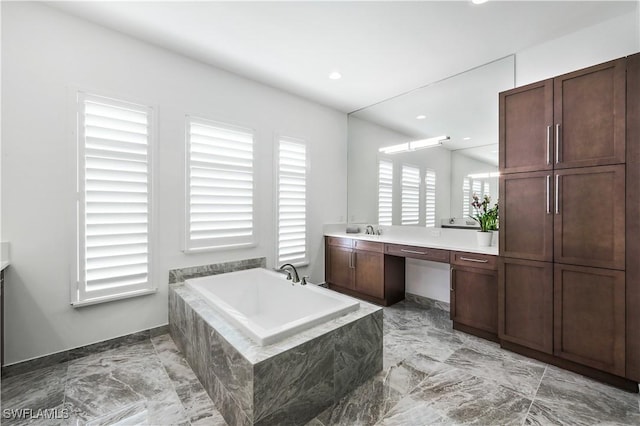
72, 354
288, 382
181, 274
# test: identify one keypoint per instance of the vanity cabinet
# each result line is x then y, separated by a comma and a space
563, 282
474, 294
360, 269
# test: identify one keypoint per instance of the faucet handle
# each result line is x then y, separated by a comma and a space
288, 275
304, 279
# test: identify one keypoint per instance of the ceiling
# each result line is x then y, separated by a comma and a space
380, 48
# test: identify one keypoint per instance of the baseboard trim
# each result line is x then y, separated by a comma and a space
81, 351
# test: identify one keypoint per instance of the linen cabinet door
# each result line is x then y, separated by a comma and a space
526, 128
526, 217
589, 322
474, 298
369, 273
589, 116
525, 303
339, 266
590, 217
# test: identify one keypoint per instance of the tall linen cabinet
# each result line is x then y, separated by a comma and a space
569, 221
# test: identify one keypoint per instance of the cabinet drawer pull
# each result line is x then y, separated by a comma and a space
558, 143
474, 260
413, 251
557, 196
549, 144
548, 193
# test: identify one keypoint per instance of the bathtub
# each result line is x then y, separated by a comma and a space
267, 307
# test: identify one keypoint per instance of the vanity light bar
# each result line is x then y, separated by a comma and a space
413, 145
484, 175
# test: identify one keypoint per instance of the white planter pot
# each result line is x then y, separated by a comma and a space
484, 238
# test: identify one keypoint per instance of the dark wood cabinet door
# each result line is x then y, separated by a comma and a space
474, 298
526, 128
633, 217
525, 303
369, 273
339, 266
589, 322
526, 216
589, 116
590, 217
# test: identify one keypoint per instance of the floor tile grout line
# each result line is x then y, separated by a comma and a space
534, 395
173, 386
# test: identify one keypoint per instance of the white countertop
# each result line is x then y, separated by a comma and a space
4, 255
436, 238
4, 264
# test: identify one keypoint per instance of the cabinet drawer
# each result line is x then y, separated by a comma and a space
474, 260
413, 252
368, 246
340, 242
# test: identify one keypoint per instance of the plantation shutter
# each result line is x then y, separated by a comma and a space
114, 199
466, 197
220, 185
385, 192
292, 201
430, 198
410, 195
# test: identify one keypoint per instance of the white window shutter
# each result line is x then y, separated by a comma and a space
292, 201
385, 192
114, 202
410, 195
220, 185
430, 198
466, 197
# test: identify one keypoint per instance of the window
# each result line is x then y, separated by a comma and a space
219, 185
430, 198
385, 192
466, 197
114, 200
410, 195
292, 201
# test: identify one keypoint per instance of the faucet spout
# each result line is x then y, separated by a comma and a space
292, 272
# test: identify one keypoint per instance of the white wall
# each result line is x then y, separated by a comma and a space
44, 54
461, 166
599, 43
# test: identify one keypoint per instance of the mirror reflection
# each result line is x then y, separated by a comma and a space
416, 159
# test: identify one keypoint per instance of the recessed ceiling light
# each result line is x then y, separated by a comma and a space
479, 1
420, 117
335, 75
466, 139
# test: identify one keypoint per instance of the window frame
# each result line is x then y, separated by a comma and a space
276, 170
187, 246
79, 296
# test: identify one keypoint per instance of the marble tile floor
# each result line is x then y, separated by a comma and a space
432, 375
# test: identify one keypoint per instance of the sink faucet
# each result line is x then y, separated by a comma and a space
369, 230
291, 271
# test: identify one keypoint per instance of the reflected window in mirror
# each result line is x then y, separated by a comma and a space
385, 192
430, 198
410, 195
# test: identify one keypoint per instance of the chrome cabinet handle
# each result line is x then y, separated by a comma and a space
351, 260
353, 254
556, 194
548, 193
557, 143
451, 280
412, 251
549, 145
468, 259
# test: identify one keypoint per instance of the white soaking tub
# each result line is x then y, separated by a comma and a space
266, 306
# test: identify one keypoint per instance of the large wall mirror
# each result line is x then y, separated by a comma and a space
417, 158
